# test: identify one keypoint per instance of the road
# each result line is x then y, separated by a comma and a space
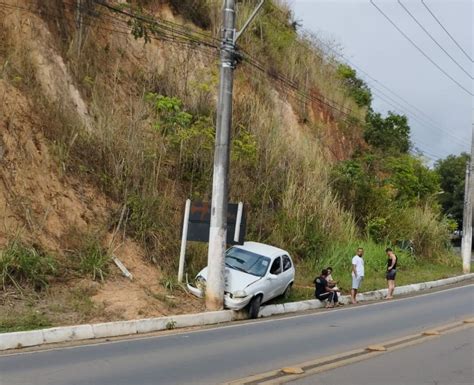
212, 356
448, 359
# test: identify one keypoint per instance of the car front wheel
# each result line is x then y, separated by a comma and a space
254, 306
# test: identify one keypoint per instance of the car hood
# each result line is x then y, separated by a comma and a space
234, 279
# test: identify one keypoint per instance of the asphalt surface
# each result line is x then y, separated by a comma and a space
448, 359
212, 356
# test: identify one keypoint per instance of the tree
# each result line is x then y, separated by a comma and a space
451, 171
411, 180
391, 134
358, 89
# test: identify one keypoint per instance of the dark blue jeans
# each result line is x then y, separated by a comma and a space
331, 296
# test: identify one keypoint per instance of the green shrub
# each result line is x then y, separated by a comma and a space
93, 260
22, 266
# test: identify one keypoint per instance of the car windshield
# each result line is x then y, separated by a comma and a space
246, 261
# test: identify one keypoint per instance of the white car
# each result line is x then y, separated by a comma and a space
254, 273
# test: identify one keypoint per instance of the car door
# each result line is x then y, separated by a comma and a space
273, 279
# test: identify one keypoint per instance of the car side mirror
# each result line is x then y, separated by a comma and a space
271, 276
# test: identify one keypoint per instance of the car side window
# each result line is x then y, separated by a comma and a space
276, 266
286, 263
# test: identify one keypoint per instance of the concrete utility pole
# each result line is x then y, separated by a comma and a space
218, 226
466, 245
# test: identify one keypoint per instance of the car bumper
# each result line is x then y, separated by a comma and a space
195, 291
229, 303
236, 303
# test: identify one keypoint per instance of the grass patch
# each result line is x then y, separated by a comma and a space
29, 320
92, 260
22, 266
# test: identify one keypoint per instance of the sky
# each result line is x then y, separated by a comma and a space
444, 113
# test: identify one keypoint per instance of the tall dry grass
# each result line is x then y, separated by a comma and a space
278, 167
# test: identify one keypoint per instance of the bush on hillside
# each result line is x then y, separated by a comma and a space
24, 266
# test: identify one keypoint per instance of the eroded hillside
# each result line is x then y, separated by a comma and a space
107, 126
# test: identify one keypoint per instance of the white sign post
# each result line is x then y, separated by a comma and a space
184, 237
238, 221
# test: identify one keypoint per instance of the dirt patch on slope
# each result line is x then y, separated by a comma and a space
145, 295
36, 202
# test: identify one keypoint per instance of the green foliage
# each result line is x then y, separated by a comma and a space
93, 260
172, 118
191, 137
377, 229
361, 188
390, 134
383, 192
451, 171
358, 89
22, 266
245, 147
411, 179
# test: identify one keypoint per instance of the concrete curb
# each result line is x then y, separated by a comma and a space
270, 310
17, 340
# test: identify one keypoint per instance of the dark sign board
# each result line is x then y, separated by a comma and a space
200, 221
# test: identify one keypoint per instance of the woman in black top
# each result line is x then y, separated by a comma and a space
391, 272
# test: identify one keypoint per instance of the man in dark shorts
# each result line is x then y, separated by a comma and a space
323, 291
391, 272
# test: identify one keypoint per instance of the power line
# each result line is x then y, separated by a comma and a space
400, 109
157, 20
274, 74
445, 30
293, 86
183, 36
432, 38
419, 49
285, 81
282, 78
161, 36
396, 109
426, 117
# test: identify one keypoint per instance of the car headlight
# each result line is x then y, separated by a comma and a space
200, 282
239, 294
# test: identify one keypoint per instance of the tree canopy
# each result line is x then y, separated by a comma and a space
451, 171
390, 134
358, 89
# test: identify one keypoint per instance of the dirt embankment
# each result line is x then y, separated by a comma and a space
45, 206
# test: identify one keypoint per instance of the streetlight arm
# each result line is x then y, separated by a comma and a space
250, 19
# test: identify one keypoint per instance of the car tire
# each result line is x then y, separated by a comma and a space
287, 292
254, 306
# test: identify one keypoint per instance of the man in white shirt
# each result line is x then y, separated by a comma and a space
357, 273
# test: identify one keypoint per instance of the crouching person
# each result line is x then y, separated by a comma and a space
323, 291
